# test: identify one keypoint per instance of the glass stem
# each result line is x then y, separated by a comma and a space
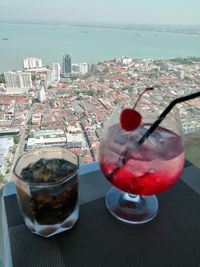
133, 197
131, 201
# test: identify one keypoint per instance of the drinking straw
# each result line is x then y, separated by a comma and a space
165, 112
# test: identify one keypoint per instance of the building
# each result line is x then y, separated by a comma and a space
83, 68
57, 69
25, 80
74, 136
9, 131
34, 143
11, 79
36, 119
43, 81
19, 120
67, 65
32, 63
50, 76
182, 74
75, 68
80, 68
43, 138
41, 95
74, 140
18, 79
5, 123
74, 129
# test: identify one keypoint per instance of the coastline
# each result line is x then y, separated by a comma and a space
158, 28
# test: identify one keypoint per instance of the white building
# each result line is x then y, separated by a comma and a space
83, 68
18, 79
25, 80
182, 74
43, 138
126, 60
50, 76
32, 62
74, 129
41, 95
75, 68
57, 70
74, 140
34, 143
11, 79
36, 119
74, 136
43, 81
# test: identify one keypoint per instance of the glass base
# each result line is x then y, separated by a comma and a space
53, 229
132, 209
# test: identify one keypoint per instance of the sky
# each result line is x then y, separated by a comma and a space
172, 12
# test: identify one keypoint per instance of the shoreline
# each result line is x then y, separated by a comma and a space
173, 29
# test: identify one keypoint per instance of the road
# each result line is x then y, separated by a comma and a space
20, 146
18, 152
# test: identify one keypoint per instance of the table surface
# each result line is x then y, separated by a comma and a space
172, 239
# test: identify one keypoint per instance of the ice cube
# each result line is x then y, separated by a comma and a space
66, 169
53, 165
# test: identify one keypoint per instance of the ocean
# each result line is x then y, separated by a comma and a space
88, 44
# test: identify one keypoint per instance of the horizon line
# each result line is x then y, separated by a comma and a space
89, 23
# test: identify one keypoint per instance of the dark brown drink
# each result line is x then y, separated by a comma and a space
47, 191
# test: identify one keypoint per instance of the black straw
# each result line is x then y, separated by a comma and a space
165, 112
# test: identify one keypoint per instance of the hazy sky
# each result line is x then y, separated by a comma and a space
184, 12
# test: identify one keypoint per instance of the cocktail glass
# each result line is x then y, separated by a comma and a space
137, 170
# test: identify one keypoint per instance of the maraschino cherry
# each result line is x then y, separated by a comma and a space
130, 119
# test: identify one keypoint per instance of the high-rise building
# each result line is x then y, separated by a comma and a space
182, 74
25, 80
41, 95
75, 68
83, 68
32, 63
57, 69
67, 65
11, 79
18, 79
43, 81
50, 76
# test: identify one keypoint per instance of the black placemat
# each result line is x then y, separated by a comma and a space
172, 239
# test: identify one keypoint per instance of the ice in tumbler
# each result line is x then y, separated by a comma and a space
48, 195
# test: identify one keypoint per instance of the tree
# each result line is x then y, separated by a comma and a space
89, 92
29, 122
2, 78
33, 77
2, 178
16, 139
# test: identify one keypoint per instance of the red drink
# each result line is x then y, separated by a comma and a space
142, 169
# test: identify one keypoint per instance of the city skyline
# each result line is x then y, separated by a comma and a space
177, 12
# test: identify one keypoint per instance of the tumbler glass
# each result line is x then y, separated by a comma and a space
47, 189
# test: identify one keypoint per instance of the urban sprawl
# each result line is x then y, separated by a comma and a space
67, 104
